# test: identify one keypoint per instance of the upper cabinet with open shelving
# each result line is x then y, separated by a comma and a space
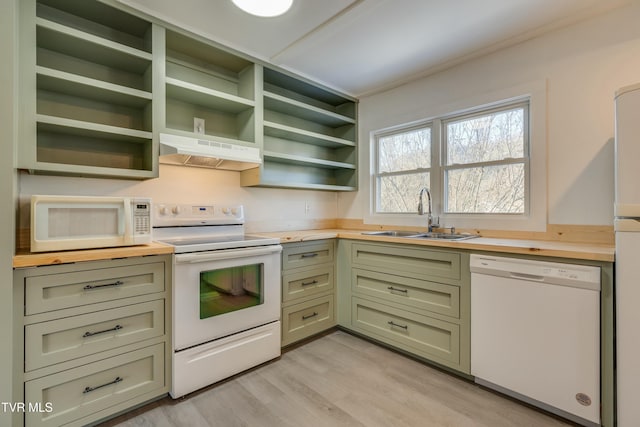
87, 85
210, 84
310, 136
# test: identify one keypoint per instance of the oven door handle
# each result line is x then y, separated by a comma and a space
226, 254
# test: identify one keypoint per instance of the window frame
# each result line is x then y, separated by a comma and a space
424, 112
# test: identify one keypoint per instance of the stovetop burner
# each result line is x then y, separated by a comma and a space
195, 228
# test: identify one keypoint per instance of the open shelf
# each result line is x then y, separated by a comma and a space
292, 107
282, 131
293, 159
209, 83
88, 90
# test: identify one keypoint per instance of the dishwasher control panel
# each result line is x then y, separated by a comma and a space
583, 276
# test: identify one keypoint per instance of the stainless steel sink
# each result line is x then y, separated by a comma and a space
444, 236
393, 233
421, 235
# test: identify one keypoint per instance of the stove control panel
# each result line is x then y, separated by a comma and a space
172, 214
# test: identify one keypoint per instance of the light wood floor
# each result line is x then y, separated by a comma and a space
340, 380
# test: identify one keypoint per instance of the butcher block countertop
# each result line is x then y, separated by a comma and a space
584, 251
28, 259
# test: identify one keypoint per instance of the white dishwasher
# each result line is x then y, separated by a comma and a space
535, 333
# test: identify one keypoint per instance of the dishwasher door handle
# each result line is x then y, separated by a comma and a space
525, 276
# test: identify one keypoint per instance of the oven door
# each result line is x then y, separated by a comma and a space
219, 293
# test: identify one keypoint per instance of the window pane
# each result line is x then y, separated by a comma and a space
487, 189
485, 138
399, 194
405, 151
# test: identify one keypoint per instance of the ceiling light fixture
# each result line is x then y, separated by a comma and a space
264, 8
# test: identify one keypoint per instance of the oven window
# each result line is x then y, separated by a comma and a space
230, 289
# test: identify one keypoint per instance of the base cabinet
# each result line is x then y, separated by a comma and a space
308, 283
95, 336
412, 298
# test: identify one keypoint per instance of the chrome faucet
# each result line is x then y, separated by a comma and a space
430, 223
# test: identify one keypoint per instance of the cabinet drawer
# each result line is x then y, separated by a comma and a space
85, 390
64, 290
430, 338
72, 337
307, 254
305, 319
424, 262
308, 282
420, 294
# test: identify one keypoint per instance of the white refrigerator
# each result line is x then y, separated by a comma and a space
627, 269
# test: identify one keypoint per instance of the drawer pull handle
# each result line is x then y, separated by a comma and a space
309, 255
392, 289
309, 316
106, 285
392, 324
313, 282
90, 334
90, 389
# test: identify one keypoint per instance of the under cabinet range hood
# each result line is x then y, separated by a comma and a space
205, 153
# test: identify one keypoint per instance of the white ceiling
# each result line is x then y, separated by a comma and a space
364, 46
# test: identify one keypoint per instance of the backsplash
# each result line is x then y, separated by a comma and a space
266, 209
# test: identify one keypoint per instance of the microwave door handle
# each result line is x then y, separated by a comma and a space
196, 257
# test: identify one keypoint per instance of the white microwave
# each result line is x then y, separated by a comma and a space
78, 222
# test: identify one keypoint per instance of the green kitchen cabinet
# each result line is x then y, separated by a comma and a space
308, 289
310, 136
203, 81
94, 336
412, 298
86, 90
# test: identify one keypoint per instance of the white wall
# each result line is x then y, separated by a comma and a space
266, 209
583, 65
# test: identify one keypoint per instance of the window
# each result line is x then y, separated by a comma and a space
485, 161
473, 163
403, 167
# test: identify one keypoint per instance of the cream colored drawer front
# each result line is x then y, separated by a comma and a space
423, 262
420, 294
307, 254
85, 390
307, 283
64, 290
424, 336
72, 337
305, 319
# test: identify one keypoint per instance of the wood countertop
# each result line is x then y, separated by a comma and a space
28, 259
584, 251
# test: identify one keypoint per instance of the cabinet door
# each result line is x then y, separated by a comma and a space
308, 318
88, 389
419, 261
424, 336
65, 339
421, 295
307, 254
65, 290
307, 283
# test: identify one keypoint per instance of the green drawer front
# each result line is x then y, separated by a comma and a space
297, 255
85, 390
65, 339
65, 290
309, 282
308, 318
419, 294
419, 261
430, 338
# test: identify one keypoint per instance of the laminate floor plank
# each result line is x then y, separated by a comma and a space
340, 380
